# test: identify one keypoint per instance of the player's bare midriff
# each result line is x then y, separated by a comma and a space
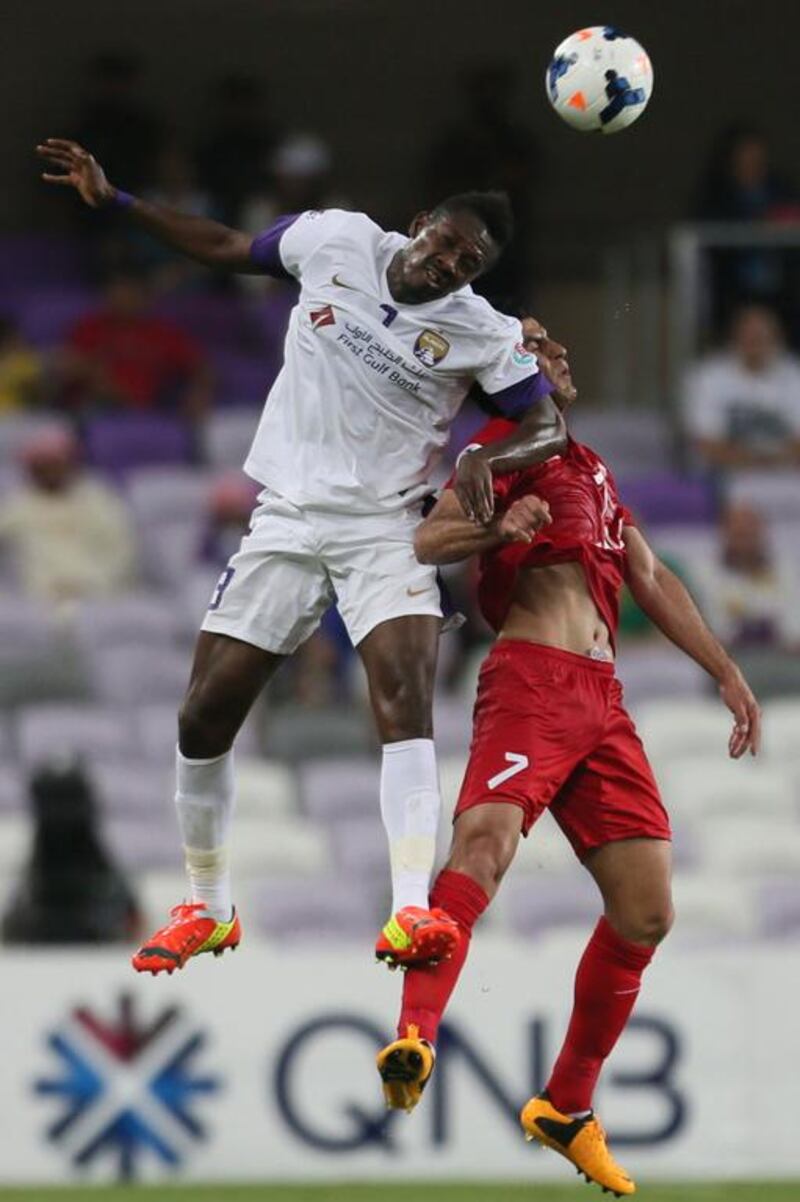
553, 605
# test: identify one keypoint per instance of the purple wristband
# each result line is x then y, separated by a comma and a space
121, 200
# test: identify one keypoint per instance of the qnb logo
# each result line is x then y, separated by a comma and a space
126, 1089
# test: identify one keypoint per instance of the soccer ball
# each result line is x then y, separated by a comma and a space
599, 80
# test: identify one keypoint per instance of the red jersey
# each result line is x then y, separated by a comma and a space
144, 357
586, 528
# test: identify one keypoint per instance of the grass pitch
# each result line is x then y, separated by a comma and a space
420, 1191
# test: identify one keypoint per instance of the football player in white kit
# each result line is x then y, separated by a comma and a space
385, 342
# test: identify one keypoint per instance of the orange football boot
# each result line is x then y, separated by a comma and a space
190, 932
417, 936
405, 1068
581, 1141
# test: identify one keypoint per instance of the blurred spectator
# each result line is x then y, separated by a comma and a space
125, 357
743, 184
231, 158
71, 891
741, 407
230, 505
21, 370
175, 185
114, 125
748, 593
488, 147
70, 537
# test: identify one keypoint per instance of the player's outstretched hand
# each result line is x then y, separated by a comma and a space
474, 489
523, 519
76, 168
737, 695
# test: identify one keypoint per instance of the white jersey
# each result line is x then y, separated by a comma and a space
362, 408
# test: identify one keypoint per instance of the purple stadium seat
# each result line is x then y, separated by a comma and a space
359, 847
332, 789
228, 435
34, 260
13, 788
779, 908
654, 672
121, 443
634, 440
26, 628
773, 493
666, 498
47, 315
45, 732
159, 494
157, 728
535, 906
169, 552
134, 617
145, 845
136, 673
133, 789
213, 319
289, 909
242, 379
452, 725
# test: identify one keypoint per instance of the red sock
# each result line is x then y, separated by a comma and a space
426, 990
606, 987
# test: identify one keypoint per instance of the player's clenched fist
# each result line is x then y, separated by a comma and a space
78, 169
523, 519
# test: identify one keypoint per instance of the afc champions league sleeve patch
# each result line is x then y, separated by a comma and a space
522, 357
430, 348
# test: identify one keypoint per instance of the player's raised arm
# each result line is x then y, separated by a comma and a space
209, 242
447, 535
667, 602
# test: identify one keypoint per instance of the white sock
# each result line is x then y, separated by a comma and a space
410, 805
204, 801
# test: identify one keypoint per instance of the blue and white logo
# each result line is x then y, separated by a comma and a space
126, 1090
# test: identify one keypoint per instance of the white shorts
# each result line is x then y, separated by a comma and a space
295, 563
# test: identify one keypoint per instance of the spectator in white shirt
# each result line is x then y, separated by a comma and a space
741, 407
69, 536
748, 590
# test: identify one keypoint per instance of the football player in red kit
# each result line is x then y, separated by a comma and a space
551, 731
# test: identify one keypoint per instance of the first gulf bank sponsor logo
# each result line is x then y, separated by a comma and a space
125, 1091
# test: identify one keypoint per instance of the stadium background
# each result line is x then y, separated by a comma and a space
258, 1068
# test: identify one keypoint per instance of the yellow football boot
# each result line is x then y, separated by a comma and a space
581, 1141
405, 1068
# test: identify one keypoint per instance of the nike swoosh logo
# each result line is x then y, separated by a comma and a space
415, 592
341, 284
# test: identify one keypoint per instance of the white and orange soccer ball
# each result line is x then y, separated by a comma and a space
599, 80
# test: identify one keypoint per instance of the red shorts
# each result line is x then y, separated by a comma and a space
550, 730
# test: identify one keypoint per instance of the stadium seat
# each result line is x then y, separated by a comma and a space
169, 550
16, 844
265, 788
630, 439
132, 789
710, 908
272, 846
122, 443
342, 906
533, 906
157, 727
546, 850
779, 908
773, 492
656, 670
144, 618
36, 261
686, 545
46, 315
742, 845
683, 727
143, 844
700, 786
781, 727
48, 732
158, 494
139, 673
452, 725
342, 787
13, 788
227, 437
359, 847
294, 732
664, 498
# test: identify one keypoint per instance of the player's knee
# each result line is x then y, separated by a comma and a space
650, 924
485, 854
203, 731
403, 700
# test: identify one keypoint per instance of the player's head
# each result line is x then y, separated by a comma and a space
553, 360
451, 245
